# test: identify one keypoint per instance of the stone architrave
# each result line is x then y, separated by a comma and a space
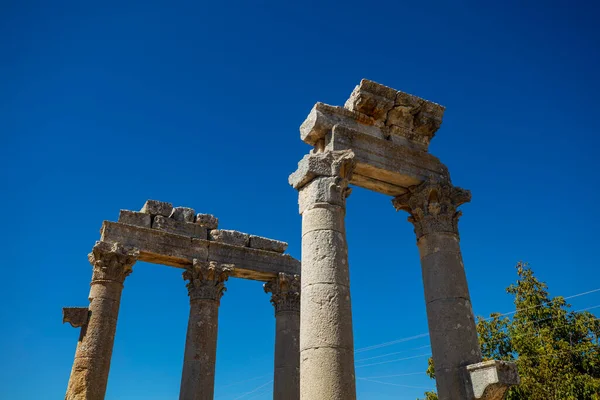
112, 263
206, 285
285, 297
433, 212
326, 338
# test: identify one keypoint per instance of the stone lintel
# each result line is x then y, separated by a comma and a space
166, 248
489, 380
76, 316
385, 166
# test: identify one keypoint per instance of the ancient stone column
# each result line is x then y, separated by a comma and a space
205, 287
285, 298
112, 263
326, 339
433, 212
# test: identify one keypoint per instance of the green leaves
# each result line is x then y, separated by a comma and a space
557, 350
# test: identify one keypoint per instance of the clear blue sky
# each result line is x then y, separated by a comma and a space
105, 105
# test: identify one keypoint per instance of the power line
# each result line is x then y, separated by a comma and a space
386, 344
255, 395
253, 390
394, 376
543, 304
395, 384
394, 353
395, 360
244, 381
377, 346
429, 354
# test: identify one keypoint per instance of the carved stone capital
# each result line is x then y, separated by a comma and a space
207, 280
76, 316
285, 292
339, 163
433, 207
112, 262
324, 178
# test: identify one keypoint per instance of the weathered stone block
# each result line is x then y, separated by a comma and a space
322, 118
371, 99
258, 242
234, 238
76, 316
184, 214
156, 246
208, 221
179, 227
135, 218
329, 163
491, 379
155, 207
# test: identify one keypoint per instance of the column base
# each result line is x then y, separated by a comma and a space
489, 380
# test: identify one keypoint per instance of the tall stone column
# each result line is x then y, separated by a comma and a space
285, 298
205, 287
326, 338
112, 263
433, 212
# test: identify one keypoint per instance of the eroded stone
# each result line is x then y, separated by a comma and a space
135, 218
233, 238
155, 207
259, 242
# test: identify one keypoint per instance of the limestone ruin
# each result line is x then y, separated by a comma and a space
379, 141
178, 237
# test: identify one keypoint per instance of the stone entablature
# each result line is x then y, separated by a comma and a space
388, 131
175, 236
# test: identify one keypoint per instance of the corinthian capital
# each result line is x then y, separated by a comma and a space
285, 292
433, 207
207, 280
112, 262
324, 178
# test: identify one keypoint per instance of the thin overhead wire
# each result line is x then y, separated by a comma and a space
395, 384
492, 342
253, 390
401, 340
394, 353
393, 376
548, 302
377, 346
244, 381
394, 360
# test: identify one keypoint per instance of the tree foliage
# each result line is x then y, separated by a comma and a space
557, 351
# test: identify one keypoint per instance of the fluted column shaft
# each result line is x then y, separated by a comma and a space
326, 338
285, 298
205, 288
89, 376
452, 329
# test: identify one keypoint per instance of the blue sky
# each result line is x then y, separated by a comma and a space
105, 105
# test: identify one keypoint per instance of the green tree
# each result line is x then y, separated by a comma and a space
557, 351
